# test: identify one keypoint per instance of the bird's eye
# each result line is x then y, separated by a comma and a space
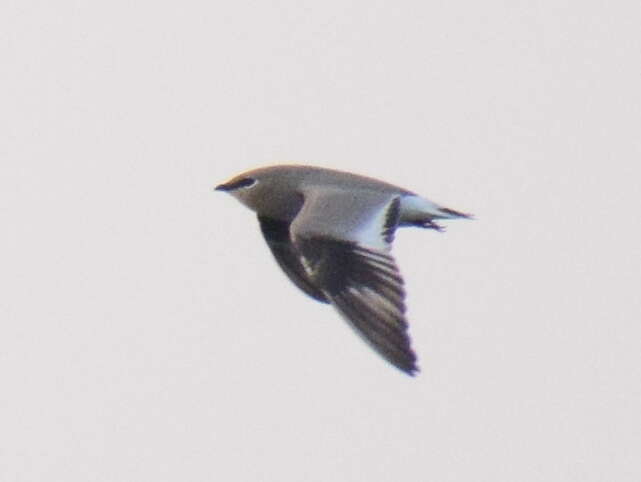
244, 182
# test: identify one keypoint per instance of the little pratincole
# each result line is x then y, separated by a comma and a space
331, 233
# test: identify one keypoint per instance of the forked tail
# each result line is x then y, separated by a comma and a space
417, 211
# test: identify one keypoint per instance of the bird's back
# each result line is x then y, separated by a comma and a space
311, 176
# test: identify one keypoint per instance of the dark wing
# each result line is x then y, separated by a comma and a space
366, 287
344, 240
276, 234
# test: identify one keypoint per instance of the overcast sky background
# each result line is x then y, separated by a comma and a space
147, 334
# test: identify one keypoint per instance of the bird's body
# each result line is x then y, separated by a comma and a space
331, 233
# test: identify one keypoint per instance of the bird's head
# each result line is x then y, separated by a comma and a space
268, 191
243, 187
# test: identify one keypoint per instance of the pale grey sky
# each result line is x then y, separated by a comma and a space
147, 334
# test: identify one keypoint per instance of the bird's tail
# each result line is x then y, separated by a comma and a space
418, 211
447, 213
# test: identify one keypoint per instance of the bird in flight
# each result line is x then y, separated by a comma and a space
331, 233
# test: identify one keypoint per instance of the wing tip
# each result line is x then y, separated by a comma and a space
409, 367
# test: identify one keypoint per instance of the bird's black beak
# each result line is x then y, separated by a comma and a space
222, 187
